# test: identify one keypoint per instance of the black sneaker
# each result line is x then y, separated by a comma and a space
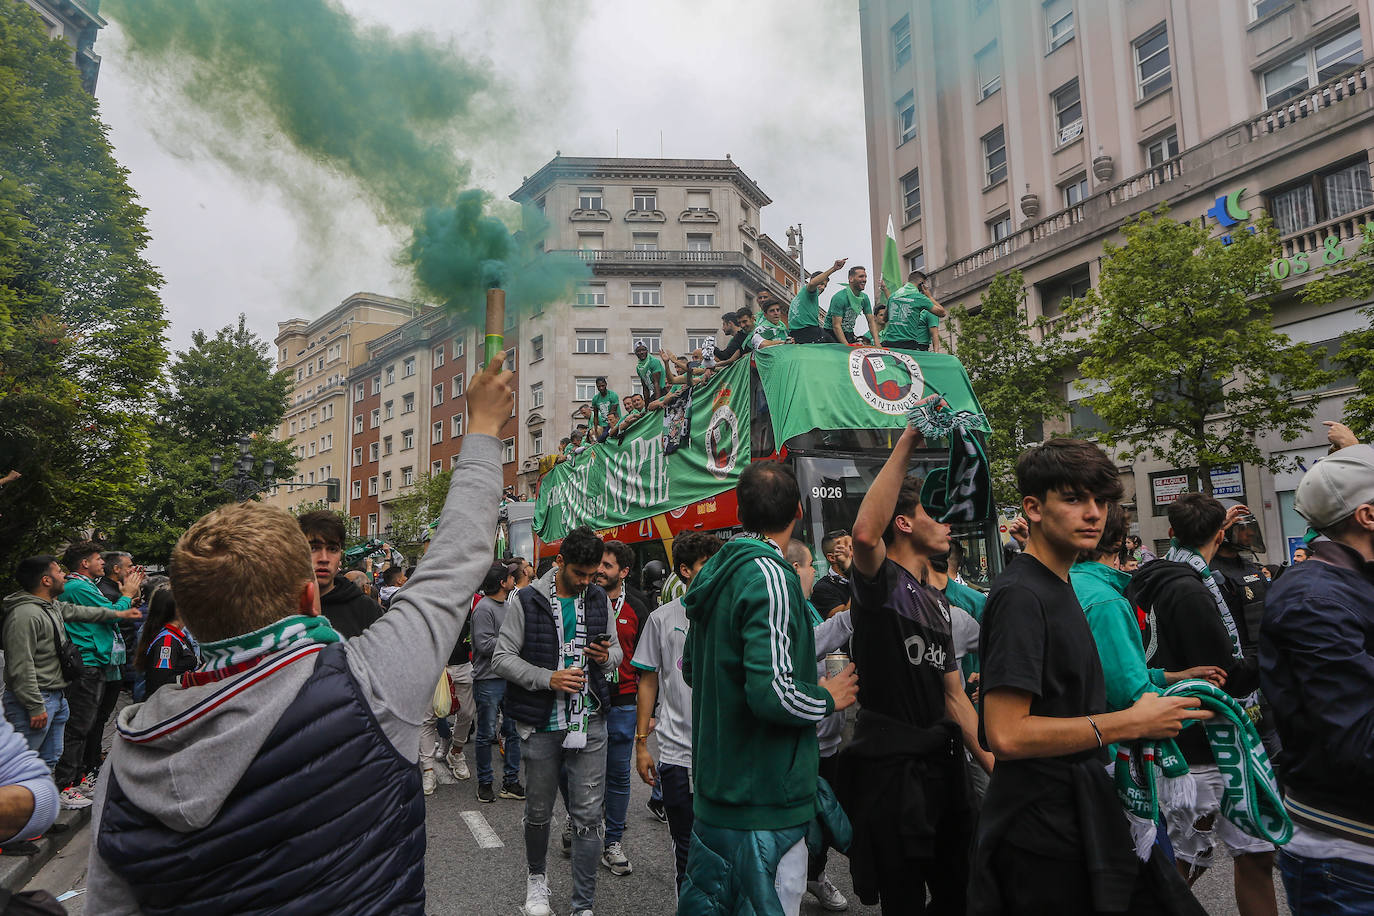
484, 793
19, 848
658, 810
513, 790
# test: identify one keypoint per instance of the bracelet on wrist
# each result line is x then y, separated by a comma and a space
641, 737
1096, 730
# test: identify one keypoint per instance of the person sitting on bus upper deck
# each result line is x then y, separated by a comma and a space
652, 378
605, 409
634, 409
771, 331
676, 367
804, 314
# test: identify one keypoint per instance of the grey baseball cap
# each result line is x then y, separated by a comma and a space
1336, 486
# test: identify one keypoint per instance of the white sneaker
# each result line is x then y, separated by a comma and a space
582, 913
828, 894
428, 780
87, 786
73, 800
614, 858
458, 764
537, 896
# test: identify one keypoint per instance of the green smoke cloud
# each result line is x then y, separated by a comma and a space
386, 112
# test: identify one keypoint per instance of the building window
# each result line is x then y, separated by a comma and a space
699, 241
436, 467
458, 347
911, 196
376, 384
1000, 229
386, 481
508, 450
645, 241
408, 403
436, 395
646, 294
1068, 113
916, 260
409, 367
372, 451
584, 389
372, 517
536, 348
698, 201
1316, 65
1070, 286
372, 488
1321, 196
652, 339
359, 391
591, 294
646, 201
901, 42
697, 340
456, 426
1161, 150
436, 433
376, 417
390, 374
327, 412
358, 457
589, 199
906, 118
1152, 71
293, 427
458, 385
407, 440
1261, 8
1059, 22
537, 395
389, 410
358, 489
1076, 192
386, 445
701, 294
300, 375
407, 476
358, 423
988, 64
438, 356
589, 342
994, 157
537, 442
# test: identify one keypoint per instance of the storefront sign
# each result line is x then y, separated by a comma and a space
1333, 251
1228, 482
1168, 489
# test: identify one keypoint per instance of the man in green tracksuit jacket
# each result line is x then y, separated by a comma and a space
750, 660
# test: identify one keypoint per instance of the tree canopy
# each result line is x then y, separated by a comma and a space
1181, 347
1356, 355
81, 323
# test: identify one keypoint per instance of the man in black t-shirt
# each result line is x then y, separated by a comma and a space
1052, 836
902, 779
831, 594
744, 326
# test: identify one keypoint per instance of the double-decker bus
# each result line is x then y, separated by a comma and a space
830, 411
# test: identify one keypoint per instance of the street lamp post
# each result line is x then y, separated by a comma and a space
242, 484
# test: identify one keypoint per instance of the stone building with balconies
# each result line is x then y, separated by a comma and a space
1022, 135
77, 22
671, 243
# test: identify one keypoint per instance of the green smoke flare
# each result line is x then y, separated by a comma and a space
385, 111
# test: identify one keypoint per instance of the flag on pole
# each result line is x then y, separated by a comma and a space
892, 266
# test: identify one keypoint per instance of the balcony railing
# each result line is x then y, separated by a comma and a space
1313, 238
666, 257
1329, 93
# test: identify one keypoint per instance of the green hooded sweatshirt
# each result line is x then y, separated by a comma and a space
751, 662
29, 631
95, 640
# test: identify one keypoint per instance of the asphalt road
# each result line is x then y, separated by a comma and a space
469, 874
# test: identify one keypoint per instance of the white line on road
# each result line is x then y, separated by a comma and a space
481, 831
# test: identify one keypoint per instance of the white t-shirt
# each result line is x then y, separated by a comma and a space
660, 649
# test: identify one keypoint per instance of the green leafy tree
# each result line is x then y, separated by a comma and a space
222, 388
1181, 342
412, 514
1016, 370
81, 323
1355, 281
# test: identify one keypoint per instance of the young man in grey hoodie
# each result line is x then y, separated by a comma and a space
282, 775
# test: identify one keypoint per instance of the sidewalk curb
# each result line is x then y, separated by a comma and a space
17, 871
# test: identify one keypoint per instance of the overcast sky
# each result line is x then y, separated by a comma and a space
776, 84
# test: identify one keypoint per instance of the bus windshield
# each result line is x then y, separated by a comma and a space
833, 486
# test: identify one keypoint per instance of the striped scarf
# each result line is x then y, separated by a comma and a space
1180, 554
1251, 798
239, 653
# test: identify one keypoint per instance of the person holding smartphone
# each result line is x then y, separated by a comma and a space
912, 316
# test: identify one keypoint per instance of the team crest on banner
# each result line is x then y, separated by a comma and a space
722, 436
886, 379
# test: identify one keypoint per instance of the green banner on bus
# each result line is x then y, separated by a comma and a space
662, 463
831, 386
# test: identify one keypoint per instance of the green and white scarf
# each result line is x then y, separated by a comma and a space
287, 633
1251, 798
1180, 554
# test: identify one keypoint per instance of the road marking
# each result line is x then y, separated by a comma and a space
481, 831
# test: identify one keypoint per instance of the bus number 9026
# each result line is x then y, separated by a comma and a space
827, 493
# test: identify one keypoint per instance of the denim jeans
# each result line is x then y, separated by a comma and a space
46, 741
545, 756
620, 746
1326, 887
488, 694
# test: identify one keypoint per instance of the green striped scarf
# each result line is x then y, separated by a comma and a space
287, 633
1251, 798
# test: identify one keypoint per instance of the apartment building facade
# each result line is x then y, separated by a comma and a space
77, 22
671, 244
319, 354
1020, 134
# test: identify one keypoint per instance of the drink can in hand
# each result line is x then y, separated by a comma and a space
835, 662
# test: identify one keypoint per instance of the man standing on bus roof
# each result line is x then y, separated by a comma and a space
605, 409
804, 315
751, 663
912, 315
652, 377
847, 304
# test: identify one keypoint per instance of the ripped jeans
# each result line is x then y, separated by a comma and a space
544, 756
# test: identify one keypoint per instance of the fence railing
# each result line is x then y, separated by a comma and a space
1320, 97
